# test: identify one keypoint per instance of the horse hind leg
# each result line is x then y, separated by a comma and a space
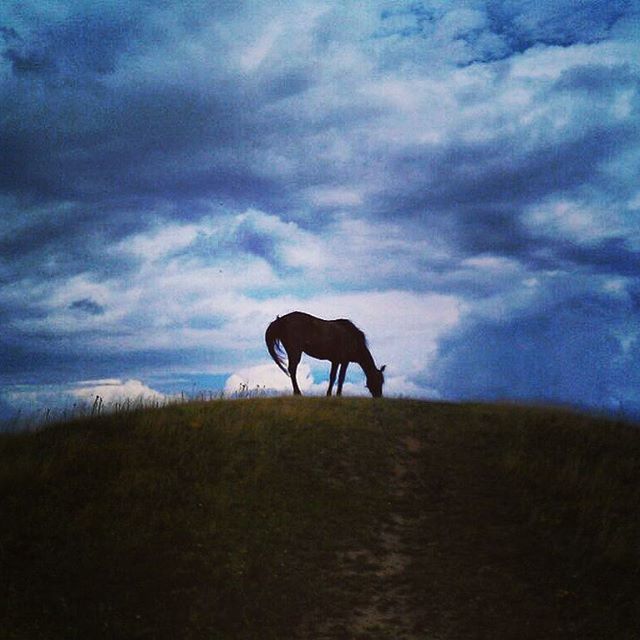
332, 376
294, 359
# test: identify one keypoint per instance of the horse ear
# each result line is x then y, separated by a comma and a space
382, 368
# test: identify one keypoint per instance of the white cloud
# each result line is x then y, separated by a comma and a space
616, 286
581, 222
491, 263
253, 56
115, 390
403, 328
548, 62
207, 295
98, 382
159, 242
634, 203
335, 197
267, 377
402, 386
36, 400
359, 252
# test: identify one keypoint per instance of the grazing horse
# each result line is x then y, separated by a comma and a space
339, 341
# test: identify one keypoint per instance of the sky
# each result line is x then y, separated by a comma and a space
460, 179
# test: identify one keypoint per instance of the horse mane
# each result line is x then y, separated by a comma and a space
357, 333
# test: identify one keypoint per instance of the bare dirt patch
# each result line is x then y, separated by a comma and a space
376, 576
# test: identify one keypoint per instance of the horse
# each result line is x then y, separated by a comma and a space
338, 341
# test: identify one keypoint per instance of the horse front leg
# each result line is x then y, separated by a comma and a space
294, 359
342, 374
332, 376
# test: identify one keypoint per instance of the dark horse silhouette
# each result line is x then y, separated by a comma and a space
339, 341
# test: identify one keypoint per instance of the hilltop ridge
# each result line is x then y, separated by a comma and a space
322, 518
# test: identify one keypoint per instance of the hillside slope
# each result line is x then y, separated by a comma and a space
322, 518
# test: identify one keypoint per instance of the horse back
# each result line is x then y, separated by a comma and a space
305, 324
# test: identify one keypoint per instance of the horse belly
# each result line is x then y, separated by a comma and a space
329, 343
318, 354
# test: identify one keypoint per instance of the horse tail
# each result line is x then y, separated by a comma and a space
273, 339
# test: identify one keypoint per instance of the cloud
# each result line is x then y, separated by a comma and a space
562, 23
267, 377
541, 355
115, 390
34, 403
253, 56
335, 197
200, 283
88, 306
175, 175
582, 223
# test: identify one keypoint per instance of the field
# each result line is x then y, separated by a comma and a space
322, 518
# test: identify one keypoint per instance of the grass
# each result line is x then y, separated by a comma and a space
315, 517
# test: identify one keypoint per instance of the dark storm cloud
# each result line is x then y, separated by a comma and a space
92, 42
82, 129
8, 34
569, 352
554, 22
503, 171
86, 305
174, 140
42, 364
172, 137
68, 240
137, 142
501, 28
612, 256
29, 62
478, 193
596, 79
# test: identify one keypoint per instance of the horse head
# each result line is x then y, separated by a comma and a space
375, 380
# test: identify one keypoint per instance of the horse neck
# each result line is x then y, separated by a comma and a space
366, 361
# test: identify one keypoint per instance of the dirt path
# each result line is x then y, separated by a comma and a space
375, 577
389, 612
450, 556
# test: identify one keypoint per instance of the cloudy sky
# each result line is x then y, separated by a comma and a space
458, 178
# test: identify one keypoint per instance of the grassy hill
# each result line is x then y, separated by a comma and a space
322, 518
